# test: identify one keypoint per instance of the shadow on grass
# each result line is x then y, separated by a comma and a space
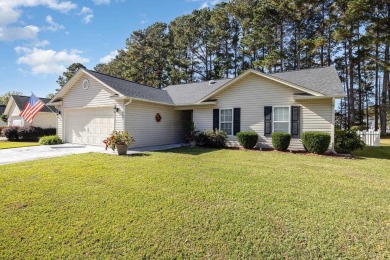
382, 152
189, 150
137, 155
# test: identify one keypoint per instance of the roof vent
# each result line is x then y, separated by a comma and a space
212, 82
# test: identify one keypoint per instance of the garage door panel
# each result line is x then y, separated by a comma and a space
88, 126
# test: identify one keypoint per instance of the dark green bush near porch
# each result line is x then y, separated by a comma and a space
248, 140
49, 131
316, 142
347, 141
210, 138
50, 140
11, 133
30, 133
281, 140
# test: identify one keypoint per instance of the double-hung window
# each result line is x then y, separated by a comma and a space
226, 121
281, 120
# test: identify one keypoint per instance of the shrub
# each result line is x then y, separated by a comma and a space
209, 138
248, 140
316, 142
11, 133
30, 133
50, 140
358, 128
347, 141
2, 128
281, 140
49, 131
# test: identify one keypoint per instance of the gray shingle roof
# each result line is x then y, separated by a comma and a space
22, 100
323, 80
192, 92
132, 89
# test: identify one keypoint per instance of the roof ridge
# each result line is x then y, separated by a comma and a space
198, 82
28, 96
123, 79
304, 69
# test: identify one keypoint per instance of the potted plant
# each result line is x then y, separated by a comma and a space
119, 140
191, 133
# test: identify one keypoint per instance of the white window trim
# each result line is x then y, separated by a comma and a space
289, 117
220, 121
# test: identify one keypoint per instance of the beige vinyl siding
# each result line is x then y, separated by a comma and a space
60, 126
119, 117
13, 114
95, 96
252, 93
45, 120
141, 123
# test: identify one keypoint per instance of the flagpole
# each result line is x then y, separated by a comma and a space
44, 103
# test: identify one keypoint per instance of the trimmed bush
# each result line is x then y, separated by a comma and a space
49, 131
281, 140
209, 138
347, 141
50, 140
358, 128
248, 140
30, 133
12, 133
316, 142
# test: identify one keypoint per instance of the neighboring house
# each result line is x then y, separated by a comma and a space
45, 118
2, 109
92, 104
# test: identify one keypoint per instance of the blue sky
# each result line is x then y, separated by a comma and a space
40, 38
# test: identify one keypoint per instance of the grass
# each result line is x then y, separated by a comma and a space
197, 203
9, 144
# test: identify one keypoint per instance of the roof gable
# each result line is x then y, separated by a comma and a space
20, 102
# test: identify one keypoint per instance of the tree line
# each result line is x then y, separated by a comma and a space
270, 36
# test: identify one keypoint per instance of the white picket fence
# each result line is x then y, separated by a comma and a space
370, 137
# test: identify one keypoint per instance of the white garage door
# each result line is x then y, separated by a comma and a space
89, 125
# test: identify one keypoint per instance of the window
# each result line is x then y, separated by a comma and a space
226, 121
281, 122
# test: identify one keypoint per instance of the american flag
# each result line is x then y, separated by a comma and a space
31, 109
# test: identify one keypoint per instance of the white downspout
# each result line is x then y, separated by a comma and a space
333, 126
124, 114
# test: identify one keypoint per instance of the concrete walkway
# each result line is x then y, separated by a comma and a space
24, 154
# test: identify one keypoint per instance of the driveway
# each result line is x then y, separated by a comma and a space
23, 154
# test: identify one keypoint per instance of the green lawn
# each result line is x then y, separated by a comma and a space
7, 144
197, 203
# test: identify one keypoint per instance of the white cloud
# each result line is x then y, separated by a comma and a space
109, 57
43, 61
18, 33
87, 14
101, 2
53, 26
144, 21
11, 11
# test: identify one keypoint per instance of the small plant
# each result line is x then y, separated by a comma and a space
12, 133
2, 128
281, 140
118, 138
248, 140
316, 142
210, 138
347, 141
4, 118
50, 140
191, 132
358, 128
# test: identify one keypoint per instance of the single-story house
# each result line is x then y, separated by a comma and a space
92, 105
2, 109
46, 118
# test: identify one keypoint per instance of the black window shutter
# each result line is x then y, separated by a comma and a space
295, 116
215, 119
267, 120
237, 120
